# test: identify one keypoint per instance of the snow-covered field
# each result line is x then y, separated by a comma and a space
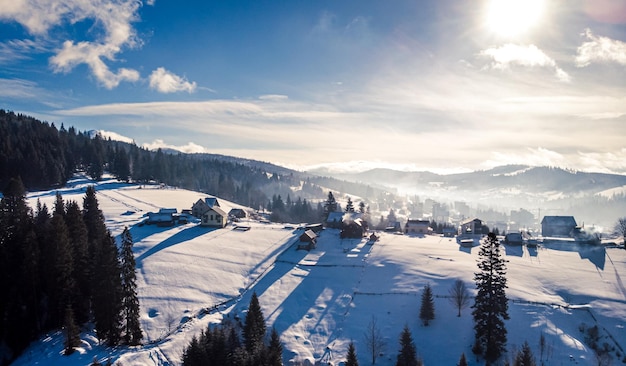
319, 301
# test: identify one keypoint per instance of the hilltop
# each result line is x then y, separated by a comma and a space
320, 300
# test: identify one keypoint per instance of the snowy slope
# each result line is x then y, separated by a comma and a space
319, 301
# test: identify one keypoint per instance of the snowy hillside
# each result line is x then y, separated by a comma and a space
320, 300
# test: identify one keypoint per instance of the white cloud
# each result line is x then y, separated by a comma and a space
115, 18
189, 148
91, 54
164, 81
527, 56
600, 49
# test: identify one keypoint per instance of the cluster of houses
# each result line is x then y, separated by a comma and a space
207, 210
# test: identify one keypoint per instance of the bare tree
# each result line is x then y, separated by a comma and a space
374, 340
620, 228
459, 296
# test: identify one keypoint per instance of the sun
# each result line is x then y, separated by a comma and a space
510, 18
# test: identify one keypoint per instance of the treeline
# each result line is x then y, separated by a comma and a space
62, 269
234, 344
44, 157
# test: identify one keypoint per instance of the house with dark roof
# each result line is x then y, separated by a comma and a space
353, 229
238, 213
308, 240
563, 226
471, 227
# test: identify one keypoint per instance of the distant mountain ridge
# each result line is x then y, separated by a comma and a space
527, 178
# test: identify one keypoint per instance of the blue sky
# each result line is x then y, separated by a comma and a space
440, 85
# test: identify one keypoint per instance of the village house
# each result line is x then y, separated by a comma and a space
563, 226
471, 227
204, 205
214, 217
165, 217
308, 240
335, 219
417, 226
353, 229
238, 213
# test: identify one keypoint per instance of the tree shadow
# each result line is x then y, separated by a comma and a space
183, 235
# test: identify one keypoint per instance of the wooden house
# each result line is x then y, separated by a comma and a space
204, 205
562, 226
308, 240
335, 219
238, 213
471, 227
214, 217
416, 226
353, 229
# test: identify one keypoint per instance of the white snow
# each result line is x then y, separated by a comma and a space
319, 301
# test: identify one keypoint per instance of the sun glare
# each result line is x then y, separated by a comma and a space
509, 18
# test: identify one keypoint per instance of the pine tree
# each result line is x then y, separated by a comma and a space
427, 308
275, 350
408, 352
70, 331
330, 205
254, 329
132, 329
77, 234
107, 297
491, 303
18, 269
351, 359
525, 357
349, 205
462, 360
63, 286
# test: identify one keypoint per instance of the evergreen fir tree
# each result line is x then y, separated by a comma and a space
427, 308
330, 205
70, 331
94, 220
525, 357
349, 205
408, 352
77, 234
132, 328
491, 303
63, 286
18, 269
275, 350
351, 359
107, 296
462, 360
254, 329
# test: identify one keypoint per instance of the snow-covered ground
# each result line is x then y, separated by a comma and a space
319, 301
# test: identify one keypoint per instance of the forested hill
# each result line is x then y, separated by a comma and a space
45, 156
